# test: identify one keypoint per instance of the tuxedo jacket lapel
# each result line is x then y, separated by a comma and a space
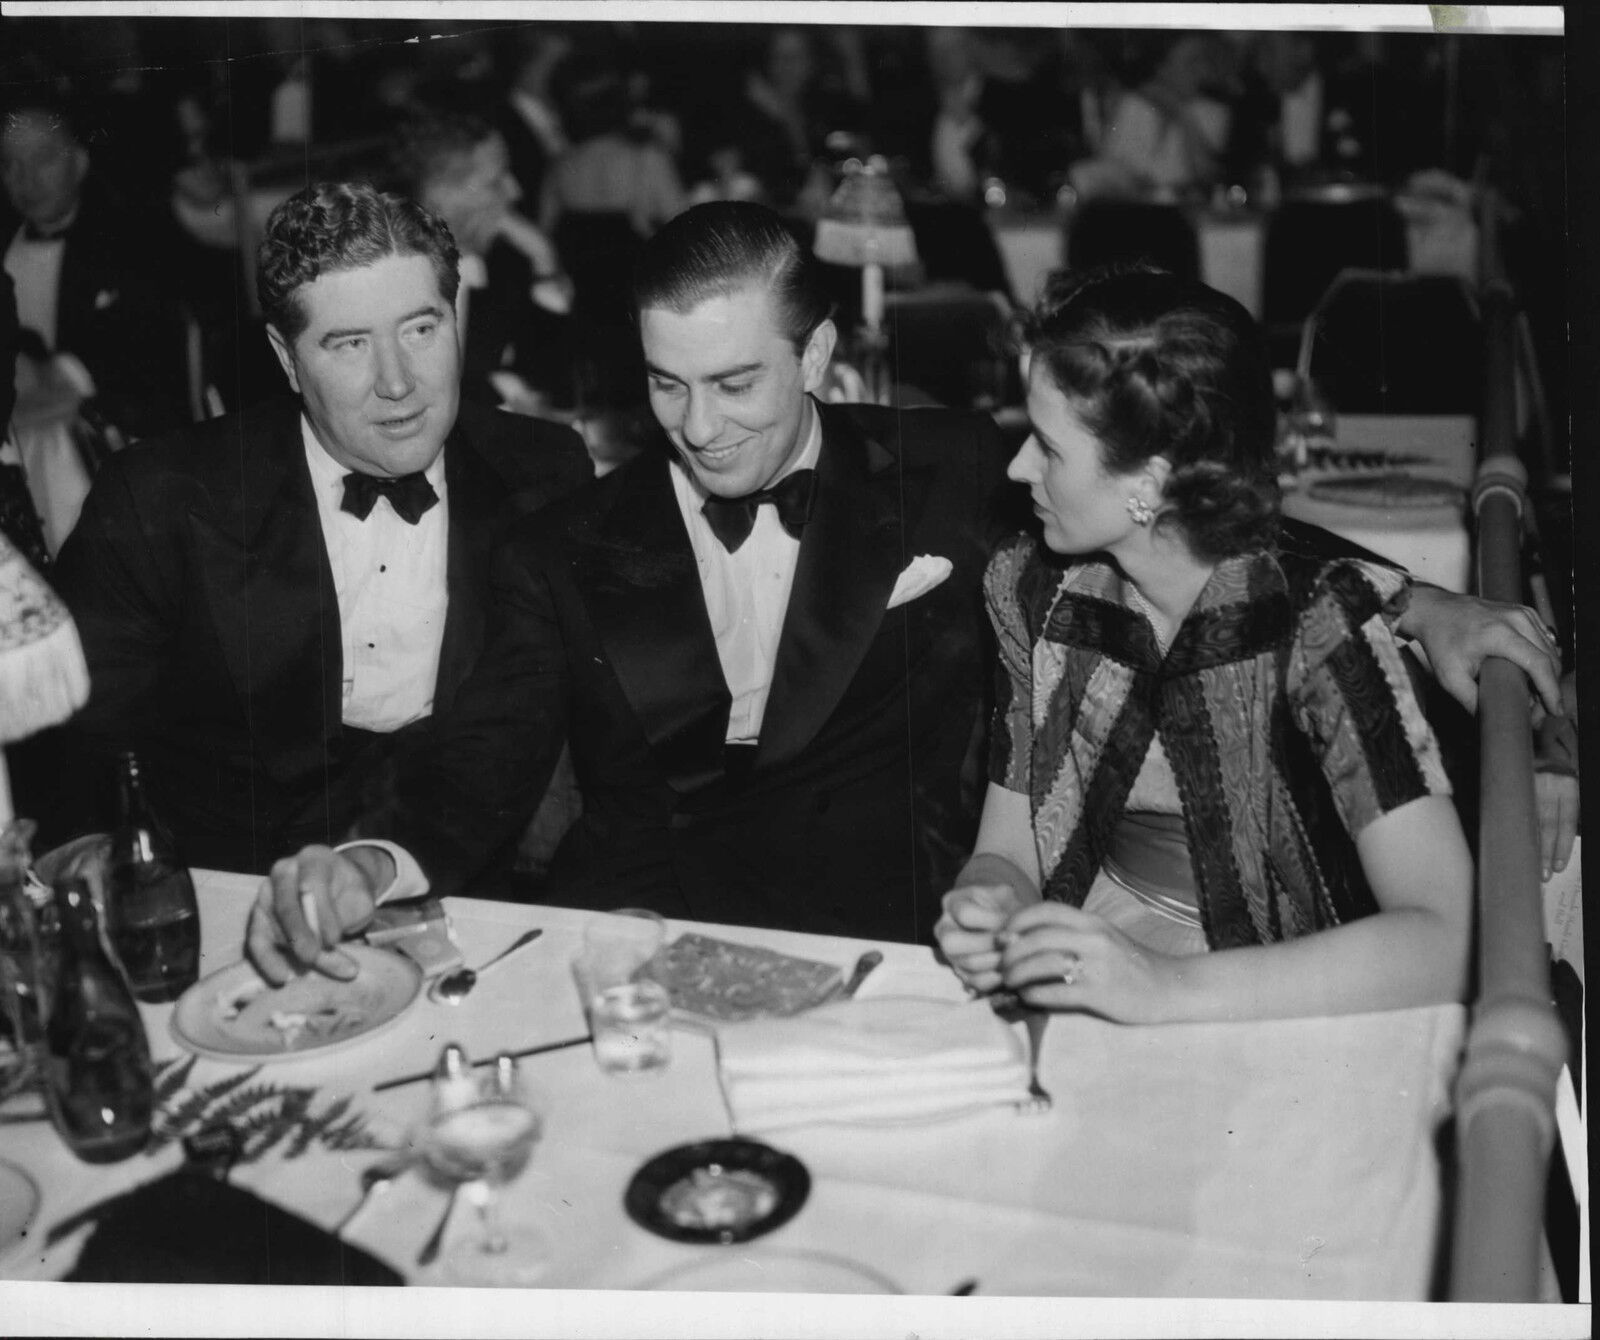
265, 571
854, 546
635, 567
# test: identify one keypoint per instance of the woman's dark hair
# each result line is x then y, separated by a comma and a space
726, 245
1155, 365
332, 226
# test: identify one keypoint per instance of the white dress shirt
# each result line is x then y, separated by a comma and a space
390, 578
35, 269
747, 592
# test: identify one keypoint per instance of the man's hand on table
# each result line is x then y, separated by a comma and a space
339, 891
1459, 632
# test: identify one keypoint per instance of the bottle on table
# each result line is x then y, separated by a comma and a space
152, 917
99, 1082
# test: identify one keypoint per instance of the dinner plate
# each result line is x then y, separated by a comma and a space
717, 1191
766, 1271
19, 1202
234, 1015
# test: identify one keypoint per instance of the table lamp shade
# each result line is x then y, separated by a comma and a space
865, 222
43, 678
865, 225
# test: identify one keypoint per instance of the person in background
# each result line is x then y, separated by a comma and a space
780, 118
276, 604
765, 647
87, 275
601, 199
1213, 794
989, 120
606, 169
514, 297
527, 117
19, 518
1167, 133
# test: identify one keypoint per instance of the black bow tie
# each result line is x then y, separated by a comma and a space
410, 495
731, 519
32, 234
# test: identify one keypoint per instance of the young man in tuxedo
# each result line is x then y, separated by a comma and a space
765, 646
277, 603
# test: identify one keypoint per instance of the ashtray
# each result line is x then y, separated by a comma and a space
717, 1191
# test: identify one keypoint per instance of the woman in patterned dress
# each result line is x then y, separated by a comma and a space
1212, 792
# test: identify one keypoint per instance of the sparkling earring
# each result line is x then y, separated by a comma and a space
1141, 511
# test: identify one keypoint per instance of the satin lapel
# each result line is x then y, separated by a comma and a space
473, 500
265, 571
854, 547
638, 576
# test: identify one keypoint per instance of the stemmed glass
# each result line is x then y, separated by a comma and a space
480, 1137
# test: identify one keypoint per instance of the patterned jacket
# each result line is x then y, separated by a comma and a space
1283, 704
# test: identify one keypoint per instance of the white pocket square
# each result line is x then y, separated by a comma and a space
922, 574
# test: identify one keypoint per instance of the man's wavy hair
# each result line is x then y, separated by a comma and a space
332, 226
1155, 365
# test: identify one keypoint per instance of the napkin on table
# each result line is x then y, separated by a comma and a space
884, 1058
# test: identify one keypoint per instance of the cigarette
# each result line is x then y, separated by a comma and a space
308, 909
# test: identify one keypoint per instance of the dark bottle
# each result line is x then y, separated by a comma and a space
151, 914
99, 1081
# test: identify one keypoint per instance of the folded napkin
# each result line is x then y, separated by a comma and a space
884, 1059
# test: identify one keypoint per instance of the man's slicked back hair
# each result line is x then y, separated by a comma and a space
722, 247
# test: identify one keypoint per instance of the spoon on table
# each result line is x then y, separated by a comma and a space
452, 988
864, 965
430, 1249
373, 1179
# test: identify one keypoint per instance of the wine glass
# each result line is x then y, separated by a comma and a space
480, 1137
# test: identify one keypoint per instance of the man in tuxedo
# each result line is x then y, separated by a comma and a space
275, 605
765, 647
86, 276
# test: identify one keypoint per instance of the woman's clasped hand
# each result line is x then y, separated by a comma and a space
1054, 956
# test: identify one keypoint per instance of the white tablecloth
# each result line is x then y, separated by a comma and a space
1432, 543
1288, 1160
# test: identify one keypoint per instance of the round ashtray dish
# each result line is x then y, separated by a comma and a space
717, 1191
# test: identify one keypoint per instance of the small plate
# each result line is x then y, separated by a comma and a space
773, 1272
19, 1202
717, 1191
234, 1015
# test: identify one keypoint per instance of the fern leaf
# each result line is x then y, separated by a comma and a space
172, 1077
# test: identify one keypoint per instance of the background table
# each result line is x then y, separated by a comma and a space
1432, 543
1291, 1160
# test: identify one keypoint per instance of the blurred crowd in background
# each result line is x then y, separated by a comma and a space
552, 149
